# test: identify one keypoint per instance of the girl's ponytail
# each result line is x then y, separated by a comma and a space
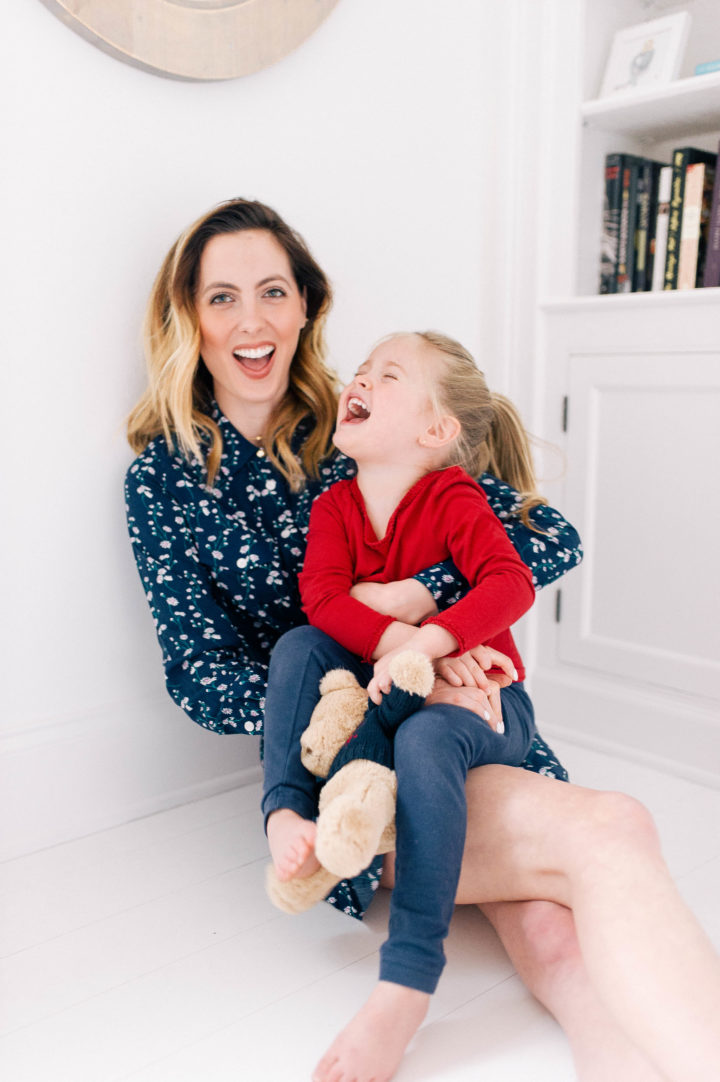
492, 436
509, 454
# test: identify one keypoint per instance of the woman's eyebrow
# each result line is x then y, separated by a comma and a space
231, 285
218, 285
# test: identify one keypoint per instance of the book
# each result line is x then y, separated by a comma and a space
707, 67
610, 224
647, 188
711, 274
661, 226
699, 180
628, 218
681, 158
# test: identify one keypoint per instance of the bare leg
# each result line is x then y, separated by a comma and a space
541, 942
371, 1046
648, 967
647, 959
291, 839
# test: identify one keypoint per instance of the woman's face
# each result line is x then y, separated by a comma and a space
250, 312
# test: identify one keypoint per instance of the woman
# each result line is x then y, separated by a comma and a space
233, 435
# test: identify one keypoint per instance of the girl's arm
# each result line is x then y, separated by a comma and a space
326, 581
215, 669
549, 554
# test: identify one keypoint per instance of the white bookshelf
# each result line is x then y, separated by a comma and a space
636, 652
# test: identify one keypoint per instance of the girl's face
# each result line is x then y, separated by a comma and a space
386, 410
250, 312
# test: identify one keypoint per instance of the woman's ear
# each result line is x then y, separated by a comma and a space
442, 431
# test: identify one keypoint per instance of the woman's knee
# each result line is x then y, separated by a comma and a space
617, 819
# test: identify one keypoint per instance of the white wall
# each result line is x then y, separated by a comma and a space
378, 139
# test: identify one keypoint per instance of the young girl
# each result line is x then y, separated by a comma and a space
417, 419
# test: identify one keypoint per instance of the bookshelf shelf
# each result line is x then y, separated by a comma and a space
685, 107
679, 299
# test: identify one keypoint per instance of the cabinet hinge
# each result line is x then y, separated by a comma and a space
565, 413
558, 606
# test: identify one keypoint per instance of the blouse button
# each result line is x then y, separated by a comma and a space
261, 453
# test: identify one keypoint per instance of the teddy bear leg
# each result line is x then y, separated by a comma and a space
297, 895
356, 806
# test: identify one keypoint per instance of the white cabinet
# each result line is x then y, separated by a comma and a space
628, 646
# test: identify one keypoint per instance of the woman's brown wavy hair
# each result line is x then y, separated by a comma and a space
177, 401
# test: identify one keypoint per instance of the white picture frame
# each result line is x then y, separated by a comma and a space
646, 55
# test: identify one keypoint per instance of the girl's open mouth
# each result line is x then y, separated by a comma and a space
355, 410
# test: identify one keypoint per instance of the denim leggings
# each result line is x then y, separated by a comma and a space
434, 749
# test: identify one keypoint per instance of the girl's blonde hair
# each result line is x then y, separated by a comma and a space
177, 401
492, 436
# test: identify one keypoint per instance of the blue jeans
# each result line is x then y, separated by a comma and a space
434, 749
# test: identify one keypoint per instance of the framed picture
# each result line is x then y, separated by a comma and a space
646, 55
194, 39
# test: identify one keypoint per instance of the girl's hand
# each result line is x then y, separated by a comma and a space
431, 640
381, 681
469, 669
483, 702
406, 600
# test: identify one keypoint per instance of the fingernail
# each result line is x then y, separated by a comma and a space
487, 715
501, 727
515, 674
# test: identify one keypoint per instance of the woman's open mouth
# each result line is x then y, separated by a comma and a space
255, 362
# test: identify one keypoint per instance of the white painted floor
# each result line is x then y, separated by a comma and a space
149, 952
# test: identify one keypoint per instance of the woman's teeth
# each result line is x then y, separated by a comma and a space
253, 354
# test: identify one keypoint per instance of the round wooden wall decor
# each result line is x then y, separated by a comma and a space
194, 39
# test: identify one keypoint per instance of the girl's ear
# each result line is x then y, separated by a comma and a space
441, 432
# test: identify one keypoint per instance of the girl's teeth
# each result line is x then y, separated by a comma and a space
357, 408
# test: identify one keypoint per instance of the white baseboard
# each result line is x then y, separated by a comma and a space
124, 761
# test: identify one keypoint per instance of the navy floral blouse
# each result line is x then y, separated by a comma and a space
219, 567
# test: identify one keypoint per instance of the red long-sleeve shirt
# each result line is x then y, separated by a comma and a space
444, 515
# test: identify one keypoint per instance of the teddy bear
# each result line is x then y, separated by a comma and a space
349, 741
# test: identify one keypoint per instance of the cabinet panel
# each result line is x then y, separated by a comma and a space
643, 449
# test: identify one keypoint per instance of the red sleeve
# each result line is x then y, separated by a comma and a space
326, 579
502, 587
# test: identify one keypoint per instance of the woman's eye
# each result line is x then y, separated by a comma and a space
220, 298
275, 291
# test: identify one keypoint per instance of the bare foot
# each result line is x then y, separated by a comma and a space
292, 844
371, 1046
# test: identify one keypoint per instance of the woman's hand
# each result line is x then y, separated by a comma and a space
470, 668
485, 702
406, 600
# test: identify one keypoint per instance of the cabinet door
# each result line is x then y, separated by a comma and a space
643, 459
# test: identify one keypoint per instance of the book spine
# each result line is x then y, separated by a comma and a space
652, 221
611, 224
690, 226
642, 228
705, 210
711, 272
628, 218
679, 166
661, 226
